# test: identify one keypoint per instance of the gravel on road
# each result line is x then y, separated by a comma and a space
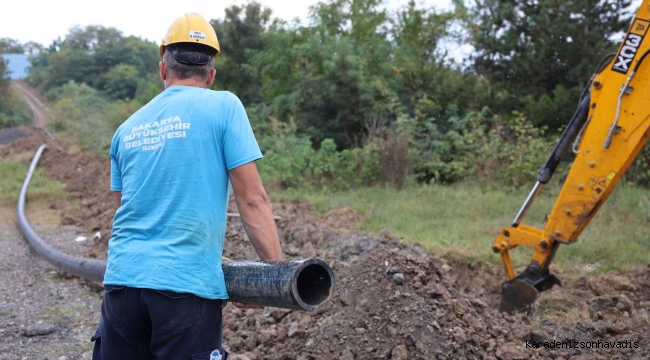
44, 313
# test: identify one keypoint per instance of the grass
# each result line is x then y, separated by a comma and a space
14, 109
618, 237
12, 175
41, 194
461, 221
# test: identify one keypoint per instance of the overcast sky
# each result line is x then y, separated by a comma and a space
44, 20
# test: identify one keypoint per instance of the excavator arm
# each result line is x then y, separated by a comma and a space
607, 132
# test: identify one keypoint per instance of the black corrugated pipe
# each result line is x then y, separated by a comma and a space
300, 284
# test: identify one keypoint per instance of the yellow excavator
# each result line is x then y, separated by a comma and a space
606, 133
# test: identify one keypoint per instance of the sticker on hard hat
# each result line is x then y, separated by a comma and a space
194, 34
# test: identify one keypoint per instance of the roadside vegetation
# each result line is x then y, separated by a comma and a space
46, 197
41, 189
374, 110
13, 108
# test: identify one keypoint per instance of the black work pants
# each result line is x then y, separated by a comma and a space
143, 324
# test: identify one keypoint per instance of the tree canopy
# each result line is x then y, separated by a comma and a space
99, 57
538, 54
357, 76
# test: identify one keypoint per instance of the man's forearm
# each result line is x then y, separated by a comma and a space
260, 226
255, 211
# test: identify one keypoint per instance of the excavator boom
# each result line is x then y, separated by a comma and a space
607, 132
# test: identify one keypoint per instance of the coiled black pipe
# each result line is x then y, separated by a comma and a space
300, 284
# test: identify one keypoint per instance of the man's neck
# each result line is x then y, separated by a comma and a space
185, 82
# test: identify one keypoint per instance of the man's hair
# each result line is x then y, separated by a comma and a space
181, 71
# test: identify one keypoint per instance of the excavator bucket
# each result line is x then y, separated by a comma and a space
518, 294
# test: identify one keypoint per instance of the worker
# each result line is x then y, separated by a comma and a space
172, 164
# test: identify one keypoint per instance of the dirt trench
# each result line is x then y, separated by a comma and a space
392, 300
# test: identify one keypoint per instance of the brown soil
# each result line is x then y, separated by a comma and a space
392, 300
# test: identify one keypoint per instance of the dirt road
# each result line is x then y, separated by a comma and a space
35, 102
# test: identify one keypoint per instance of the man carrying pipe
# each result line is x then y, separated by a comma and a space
172, 163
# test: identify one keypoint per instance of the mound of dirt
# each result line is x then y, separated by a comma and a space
395, 301
392, 300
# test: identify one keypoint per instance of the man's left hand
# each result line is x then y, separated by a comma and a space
246, 306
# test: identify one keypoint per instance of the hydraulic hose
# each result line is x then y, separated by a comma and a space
624, 89
299, 284
570, 133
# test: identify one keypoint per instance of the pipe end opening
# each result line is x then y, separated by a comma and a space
314, 284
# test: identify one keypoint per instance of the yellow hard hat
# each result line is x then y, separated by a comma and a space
191, 28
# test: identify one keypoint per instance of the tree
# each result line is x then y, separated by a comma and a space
240, 38
32, 48
527, 48
351, 70
99, 57
421, 70
120, 82
11, 46
339, 71
4, 80
13, 111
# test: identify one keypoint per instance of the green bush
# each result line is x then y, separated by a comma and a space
440, 139
510, 152
14, 111
292, 161
303, 166
490, 149
639, 171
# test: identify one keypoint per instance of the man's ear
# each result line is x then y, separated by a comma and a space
163, 70
210, 79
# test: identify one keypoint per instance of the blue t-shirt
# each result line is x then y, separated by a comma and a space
171, 160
